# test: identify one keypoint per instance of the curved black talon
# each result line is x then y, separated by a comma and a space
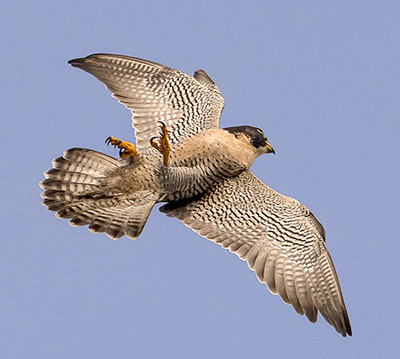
154, 143
108, 141
126, 149
162, 145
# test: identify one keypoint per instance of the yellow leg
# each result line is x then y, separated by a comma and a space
126, 149
163, 146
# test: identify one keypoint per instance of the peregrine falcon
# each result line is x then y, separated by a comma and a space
201, 173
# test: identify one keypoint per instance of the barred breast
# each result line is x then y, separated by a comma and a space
203, 161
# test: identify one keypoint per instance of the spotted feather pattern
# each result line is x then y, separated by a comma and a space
280, 239
153, 92
78, 187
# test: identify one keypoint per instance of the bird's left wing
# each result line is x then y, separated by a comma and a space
280, 239
153, 92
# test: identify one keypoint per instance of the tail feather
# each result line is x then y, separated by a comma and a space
82, 160
77, 189
116, 220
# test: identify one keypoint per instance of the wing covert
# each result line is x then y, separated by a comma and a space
153, 92
281, 240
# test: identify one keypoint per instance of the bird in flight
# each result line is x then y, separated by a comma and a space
201, 174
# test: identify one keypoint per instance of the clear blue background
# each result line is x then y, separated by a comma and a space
322, 78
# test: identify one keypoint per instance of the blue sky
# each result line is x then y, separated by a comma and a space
321, 78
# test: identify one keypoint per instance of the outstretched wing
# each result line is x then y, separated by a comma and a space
280, 239
153, 92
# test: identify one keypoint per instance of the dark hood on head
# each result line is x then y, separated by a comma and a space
255, 134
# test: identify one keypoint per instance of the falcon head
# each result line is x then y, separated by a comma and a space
255, 136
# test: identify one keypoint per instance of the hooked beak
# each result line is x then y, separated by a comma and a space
269, 148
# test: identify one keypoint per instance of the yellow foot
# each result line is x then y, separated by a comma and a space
126, 149
163, 146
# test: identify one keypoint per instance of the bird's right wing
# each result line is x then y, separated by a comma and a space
280, 239
153, 92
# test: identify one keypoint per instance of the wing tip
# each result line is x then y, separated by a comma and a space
342, 324
347, 325
107, 57
78, 62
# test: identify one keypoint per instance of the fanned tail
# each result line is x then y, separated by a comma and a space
78, 188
